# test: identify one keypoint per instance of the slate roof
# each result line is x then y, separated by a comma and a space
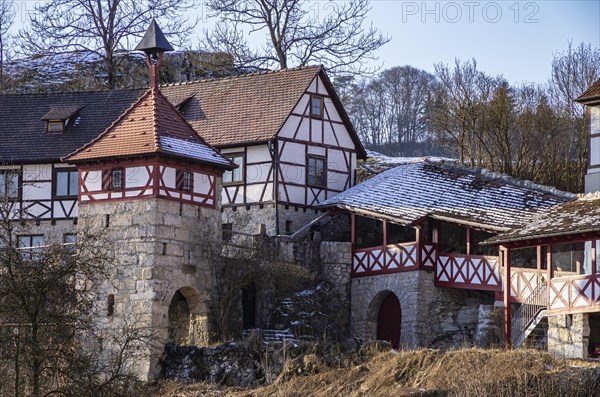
410, 192
573, 217
61, 112
592, 94
151, 125
23, 137
226, 112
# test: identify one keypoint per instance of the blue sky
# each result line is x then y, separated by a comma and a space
516, 39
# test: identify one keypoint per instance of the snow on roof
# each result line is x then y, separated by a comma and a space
409, 192
196, 150
573, 217
382, 159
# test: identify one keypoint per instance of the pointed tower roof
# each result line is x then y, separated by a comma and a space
154, 39
151, 125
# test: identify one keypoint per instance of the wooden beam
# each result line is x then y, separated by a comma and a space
539, 259
468, 231
418, 247
385, 233
507, 300
593, 269
353, 231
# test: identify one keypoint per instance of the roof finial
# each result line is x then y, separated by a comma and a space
154, 44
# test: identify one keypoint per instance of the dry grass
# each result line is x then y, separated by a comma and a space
465, 372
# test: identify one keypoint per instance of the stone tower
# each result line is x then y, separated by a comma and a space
151, 185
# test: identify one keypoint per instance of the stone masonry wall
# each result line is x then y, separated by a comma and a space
336, 262
247, 220
568, 335
162, 247
53, 233
431, 316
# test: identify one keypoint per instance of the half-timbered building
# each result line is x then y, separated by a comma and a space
420, 275
290, 136
287, 131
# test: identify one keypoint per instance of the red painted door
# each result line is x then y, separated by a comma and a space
389, 320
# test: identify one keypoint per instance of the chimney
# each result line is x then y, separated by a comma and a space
154, 44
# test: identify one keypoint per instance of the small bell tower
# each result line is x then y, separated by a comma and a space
154, 44
152, 185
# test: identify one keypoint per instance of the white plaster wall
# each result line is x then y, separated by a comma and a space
136, 176
93, 180
202, 182
293, 153
258, 153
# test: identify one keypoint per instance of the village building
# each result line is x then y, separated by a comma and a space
420, 275
439, 255
160, 172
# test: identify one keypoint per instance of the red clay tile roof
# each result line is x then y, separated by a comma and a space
151, 125
248, 108
593, 92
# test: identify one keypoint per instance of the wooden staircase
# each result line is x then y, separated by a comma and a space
529, 323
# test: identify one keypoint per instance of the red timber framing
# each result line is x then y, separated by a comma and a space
391, 258
155, 177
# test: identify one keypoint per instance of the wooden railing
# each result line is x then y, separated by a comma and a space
393, 258
468, 272
569, 294
523, 281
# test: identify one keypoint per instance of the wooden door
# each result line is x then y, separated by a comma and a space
389, 320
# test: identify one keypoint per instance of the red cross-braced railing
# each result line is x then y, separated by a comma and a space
523, 282
468, 272
381, 260
579, 293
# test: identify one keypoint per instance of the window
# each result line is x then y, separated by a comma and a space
288, 227
316, 106
56, 126
9, 183
185, 180
66, 183
567, 257
227, 231
69, 240
235, 175
31, 245
113, 179
316, 171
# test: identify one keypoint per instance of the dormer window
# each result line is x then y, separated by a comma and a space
58, 117
316, 106
55, 126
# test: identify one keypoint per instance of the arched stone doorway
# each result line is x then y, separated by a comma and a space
188, 321
389, 320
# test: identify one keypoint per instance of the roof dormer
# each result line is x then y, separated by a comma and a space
58, 117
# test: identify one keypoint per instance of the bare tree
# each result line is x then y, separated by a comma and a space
102, 27
573, 71
296, 33
49, 334
7, 17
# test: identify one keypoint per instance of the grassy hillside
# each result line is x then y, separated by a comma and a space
466, 372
